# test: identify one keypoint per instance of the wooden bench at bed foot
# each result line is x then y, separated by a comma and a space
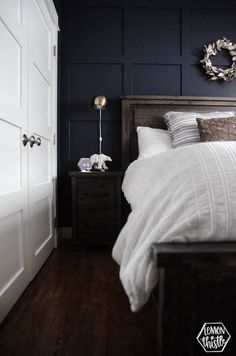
197, 285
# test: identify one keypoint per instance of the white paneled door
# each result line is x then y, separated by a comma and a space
40, 111
27, 107
13, 155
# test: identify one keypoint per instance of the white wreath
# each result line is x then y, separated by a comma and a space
211, 50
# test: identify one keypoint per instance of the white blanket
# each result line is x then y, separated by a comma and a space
184, 195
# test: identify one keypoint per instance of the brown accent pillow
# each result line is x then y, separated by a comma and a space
220, 129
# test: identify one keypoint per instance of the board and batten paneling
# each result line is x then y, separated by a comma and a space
119, 48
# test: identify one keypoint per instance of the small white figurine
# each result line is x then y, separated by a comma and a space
98, 161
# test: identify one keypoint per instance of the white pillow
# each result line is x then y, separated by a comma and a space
152, 141
183, 126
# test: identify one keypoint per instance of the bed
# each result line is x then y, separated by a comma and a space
196, 280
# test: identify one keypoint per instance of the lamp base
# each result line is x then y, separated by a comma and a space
98, 161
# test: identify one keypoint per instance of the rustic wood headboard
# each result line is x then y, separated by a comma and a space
139, 110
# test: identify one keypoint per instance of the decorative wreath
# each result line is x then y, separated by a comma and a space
211, 50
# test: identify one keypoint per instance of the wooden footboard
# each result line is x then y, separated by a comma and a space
197, 285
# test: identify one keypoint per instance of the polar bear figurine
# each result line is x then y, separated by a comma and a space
98, 161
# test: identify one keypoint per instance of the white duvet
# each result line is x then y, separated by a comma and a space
183, 195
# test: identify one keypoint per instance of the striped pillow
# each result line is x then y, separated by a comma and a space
183, 126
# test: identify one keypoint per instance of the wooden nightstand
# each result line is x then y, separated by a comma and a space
96, 207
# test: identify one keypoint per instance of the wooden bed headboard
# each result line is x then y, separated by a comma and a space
142, 110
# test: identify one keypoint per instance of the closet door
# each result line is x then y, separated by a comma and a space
13, 155
40, 111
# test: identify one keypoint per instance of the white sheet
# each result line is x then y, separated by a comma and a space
184, 195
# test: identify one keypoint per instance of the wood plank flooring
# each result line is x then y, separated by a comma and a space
76, 307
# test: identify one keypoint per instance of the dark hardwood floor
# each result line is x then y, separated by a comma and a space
76, 307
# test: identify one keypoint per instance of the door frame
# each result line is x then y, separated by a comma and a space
50, 7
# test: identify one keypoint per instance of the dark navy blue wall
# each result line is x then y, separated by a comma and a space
129, 47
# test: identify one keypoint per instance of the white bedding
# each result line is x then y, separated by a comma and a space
183, 195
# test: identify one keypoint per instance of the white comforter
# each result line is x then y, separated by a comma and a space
183, 195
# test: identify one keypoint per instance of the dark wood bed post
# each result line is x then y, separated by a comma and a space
197, 281
126, 112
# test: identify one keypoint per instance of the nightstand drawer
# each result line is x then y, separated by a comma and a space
96, 225
96, 193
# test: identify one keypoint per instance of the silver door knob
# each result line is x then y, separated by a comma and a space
38, 141
32, 140
25, 139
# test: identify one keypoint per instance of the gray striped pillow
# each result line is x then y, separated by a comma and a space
183, 126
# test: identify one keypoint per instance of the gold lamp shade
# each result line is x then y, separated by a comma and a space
100, 102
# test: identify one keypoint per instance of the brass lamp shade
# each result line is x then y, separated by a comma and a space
100, 102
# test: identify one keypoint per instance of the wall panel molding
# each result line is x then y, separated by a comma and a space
185, 44
122, 47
